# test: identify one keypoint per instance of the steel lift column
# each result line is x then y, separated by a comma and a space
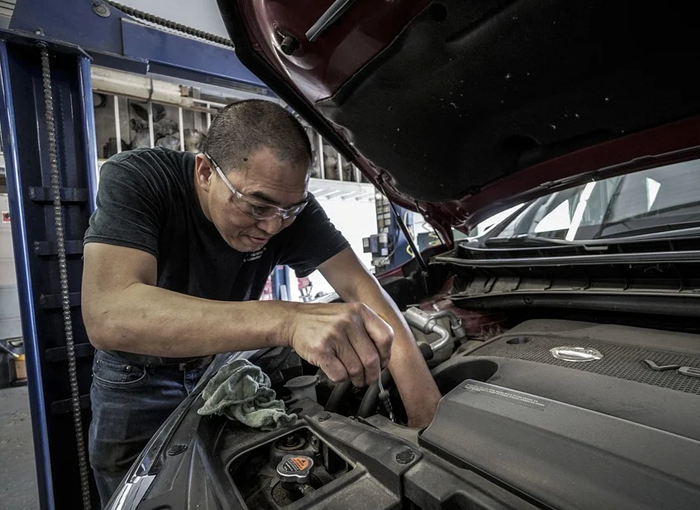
48, 173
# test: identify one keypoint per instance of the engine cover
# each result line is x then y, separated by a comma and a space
572, 415
564, 456
623, 351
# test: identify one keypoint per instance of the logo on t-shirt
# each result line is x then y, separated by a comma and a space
254, 256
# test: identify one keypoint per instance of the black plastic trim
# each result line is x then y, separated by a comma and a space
655, 304
577, 260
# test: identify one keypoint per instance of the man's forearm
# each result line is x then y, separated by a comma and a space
418, 390
145, 319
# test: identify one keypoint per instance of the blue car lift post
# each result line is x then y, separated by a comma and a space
71, 34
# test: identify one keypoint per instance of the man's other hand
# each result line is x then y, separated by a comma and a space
346, 341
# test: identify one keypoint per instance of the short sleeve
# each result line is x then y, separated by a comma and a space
130, 206
313, 239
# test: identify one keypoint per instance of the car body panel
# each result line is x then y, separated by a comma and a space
456, 111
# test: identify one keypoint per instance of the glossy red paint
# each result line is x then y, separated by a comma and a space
316, 70
319, 68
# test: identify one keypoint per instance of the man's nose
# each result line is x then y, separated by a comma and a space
271, 226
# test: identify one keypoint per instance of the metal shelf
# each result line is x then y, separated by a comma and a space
325, 189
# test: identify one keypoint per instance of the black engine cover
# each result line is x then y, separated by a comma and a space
609, 433
564, 456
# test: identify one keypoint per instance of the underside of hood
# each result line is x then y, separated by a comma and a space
454, 107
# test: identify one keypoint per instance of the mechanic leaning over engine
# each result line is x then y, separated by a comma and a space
176, 257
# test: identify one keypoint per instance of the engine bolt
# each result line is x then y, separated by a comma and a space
289, 45
405, 457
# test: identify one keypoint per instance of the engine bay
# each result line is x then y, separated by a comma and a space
304, 464
544, 413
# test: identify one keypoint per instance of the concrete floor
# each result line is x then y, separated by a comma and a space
17, 470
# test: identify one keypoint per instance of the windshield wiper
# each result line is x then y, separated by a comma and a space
601, 243
543, 240
665, 223
531, 240
655, 232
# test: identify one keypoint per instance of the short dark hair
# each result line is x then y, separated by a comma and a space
239, 129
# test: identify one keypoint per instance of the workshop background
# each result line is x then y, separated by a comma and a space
151, 87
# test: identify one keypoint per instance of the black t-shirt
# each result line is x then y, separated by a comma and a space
147, 201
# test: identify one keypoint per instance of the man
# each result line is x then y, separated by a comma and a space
176, 257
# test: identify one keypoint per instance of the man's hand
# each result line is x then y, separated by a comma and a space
346, 341
354, 284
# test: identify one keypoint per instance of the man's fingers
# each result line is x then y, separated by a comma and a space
366, 351
380, 332
334, 369
346, 341
353, 366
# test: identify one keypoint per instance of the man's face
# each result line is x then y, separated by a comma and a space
265, 179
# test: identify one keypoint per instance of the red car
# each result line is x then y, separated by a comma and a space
565, 339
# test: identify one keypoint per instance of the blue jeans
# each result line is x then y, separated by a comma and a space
129, 403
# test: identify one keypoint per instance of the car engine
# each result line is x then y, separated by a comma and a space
547, 414
544, 413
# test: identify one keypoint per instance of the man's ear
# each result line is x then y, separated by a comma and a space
203, 172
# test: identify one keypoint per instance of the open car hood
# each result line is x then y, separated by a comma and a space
458, 108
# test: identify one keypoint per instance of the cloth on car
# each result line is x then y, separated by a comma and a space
241, 391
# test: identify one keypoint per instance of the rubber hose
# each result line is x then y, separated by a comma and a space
368, 406
259, 354
426, 351
369, 401
337, 396
277, 362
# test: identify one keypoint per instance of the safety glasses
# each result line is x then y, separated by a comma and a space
254, 207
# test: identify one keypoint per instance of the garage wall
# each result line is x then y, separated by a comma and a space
355, 219
10, 325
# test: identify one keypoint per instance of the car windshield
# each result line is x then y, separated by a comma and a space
653, 200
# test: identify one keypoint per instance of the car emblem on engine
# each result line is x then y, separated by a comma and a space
576, 354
